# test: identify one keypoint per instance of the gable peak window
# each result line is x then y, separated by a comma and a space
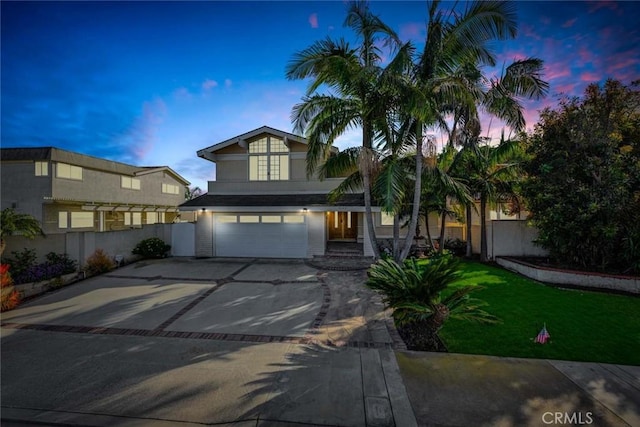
268, 159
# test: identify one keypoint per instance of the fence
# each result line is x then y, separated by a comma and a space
508, 238
80, 245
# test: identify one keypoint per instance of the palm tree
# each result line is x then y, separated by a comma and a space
414, 290
352, 73
500, 97
454, 41
12, 222
493, 173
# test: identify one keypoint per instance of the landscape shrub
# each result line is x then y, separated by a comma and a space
456, 246
99, 262
153, 247
25, 269
10, 297
416, 291
21, 262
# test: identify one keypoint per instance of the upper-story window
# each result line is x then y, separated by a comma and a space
64, 170
128, 182
268, 160
170, 189
42, 168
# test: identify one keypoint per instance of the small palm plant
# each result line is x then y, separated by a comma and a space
415, 292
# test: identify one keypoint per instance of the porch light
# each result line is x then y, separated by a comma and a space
305, 210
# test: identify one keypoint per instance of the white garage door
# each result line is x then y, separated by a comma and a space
261, 235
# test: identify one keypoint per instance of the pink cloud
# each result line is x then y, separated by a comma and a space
612, 5
590, 77
556, 71
545, 20
141, 136
569, 23
209, 84
313, 20
412, 31
529, 31
565, 88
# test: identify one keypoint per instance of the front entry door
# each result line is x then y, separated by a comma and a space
343, 225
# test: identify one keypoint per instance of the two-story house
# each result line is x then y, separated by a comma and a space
262, 204
68, 191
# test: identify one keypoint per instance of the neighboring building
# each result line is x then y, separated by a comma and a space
68, 191
263, 205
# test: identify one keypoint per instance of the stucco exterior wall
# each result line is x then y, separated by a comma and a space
204, 235
20, 188
105, 187
316, 227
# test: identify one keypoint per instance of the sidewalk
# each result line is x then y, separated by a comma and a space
464, 390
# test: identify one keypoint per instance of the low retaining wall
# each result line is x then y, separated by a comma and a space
27, 290
628, 284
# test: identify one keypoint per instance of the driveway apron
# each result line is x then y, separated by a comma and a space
243, 341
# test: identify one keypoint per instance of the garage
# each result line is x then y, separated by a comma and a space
269, 235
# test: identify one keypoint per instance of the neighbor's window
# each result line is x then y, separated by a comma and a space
133, 218
128, 182
42, 168
81, 219
63, 221
170, 189
151, 217
67, 171
268, 160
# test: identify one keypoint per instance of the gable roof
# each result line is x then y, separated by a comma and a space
248, 135
78, 159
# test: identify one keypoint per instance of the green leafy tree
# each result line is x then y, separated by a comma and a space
12, 222
583, 185
415, 290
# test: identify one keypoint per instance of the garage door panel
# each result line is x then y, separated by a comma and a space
274, 240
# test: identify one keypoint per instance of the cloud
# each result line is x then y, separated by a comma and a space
590, 77
227, 82
141, 135
595, 6
209, 84
313, 20
569, 23
182, 94
529, 31
412, 31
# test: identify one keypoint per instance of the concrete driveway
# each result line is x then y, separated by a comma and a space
249, 342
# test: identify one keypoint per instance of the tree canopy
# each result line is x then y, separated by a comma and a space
583, 185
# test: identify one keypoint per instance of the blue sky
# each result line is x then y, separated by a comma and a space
150, 83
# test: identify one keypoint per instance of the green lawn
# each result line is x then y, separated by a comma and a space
584, 326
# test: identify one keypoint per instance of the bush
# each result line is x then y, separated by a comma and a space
151, 248
25, 270
456, 246
10, 297
66, 264
99, 262
21, 262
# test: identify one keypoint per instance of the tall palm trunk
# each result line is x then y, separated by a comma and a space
468, 225
366, 182
442, 229
483, 228
426, 225
415, 212
396, 236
